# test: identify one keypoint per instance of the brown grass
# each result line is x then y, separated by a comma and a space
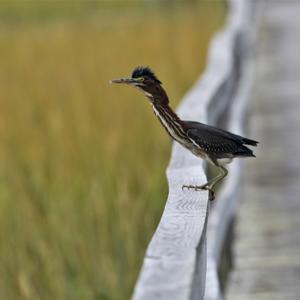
82, 183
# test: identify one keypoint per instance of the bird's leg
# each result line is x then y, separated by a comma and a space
223, 173
210, 184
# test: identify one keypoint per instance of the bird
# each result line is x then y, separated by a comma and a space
215, 145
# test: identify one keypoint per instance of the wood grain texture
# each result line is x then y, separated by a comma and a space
175, 262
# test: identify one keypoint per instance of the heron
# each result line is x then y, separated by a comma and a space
215, 145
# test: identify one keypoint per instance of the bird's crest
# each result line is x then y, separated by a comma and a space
144, 71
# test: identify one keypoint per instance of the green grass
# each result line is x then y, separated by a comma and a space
82, 176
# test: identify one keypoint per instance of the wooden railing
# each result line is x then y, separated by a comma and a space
183, 257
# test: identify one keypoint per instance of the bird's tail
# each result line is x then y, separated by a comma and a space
243, 151
250, 142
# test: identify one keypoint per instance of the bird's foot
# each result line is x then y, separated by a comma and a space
205, 187
211, 195
194, 187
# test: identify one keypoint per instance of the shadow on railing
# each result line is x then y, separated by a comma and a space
184, 256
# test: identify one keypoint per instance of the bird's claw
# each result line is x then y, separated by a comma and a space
211, 195
194, 187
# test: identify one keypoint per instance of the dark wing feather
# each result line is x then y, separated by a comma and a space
235, 137
218, 142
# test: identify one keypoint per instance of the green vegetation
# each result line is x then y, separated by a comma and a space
82, 176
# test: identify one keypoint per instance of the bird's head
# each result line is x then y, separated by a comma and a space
144, 79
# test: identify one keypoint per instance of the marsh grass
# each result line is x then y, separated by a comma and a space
82, 176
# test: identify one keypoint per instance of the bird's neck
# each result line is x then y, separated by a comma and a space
170, 121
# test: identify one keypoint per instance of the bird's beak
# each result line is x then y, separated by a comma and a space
125, 80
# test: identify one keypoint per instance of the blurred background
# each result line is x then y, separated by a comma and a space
82, 162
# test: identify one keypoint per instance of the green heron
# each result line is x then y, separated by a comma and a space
213, 144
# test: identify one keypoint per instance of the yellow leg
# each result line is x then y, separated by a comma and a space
210, 184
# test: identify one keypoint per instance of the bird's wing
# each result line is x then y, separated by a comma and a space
215, 141
220, 132
211, 143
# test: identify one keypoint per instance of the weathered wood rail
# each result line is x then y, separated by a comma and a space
183, 257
